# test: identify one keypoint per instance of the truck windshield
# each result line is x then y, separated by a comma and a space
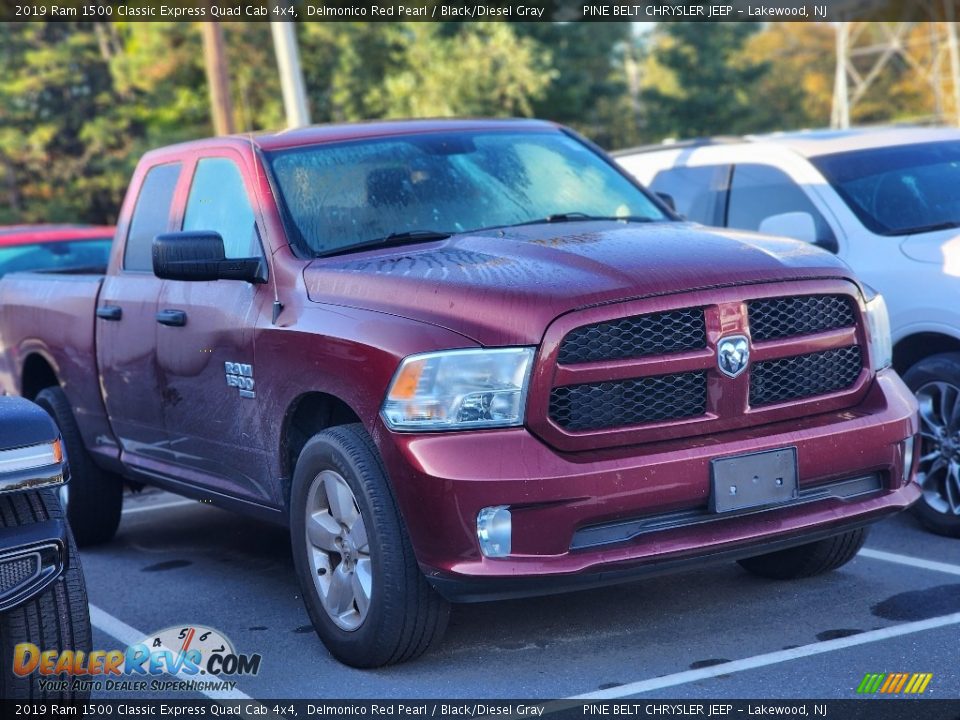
345, 195
899, 190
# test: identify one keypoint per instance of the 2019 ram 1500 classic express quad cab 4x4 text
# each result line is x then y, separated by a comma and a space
463, 360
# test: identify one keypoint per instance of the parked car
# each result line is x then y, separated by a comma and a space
463, 360
43, 599
886, 202
63, 248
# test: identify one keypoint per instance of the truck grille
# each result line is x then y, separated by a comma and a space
804, 376
634, 337
597, 406
645, 370
782, 317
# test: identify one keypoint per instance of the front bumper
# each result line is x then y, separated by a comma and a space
442, 481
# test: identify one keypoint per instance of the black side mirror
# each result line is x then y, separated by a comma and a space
667, 199
198, 255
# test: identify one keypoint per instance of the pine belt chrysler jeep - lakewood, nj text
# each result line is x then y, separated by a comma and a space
463, 360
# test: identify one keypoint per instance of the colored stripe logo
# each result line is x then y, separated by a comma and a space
894, 683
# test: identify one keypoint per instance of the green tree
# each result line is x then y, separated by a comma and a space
698, 80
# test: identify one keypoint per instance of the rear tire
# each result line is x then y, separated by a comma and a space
935, 381
56, 619
807, 560
361, 584
95, 497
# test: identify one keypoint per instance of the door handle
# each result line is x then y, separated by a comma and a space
174, 318
109, 312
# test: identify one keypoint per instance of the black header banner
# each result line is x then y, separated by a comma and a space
479, 10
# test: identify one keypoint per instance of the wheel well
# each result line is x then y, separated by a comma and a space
310, 414
37, 375
912, 349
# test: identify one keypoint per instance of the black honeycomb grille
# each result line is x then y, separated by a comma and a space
802, 376
632, 337
17, 571
789, 316
598, 406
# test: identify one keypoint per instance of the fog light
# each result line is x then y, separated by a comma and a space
908, 446
493, 531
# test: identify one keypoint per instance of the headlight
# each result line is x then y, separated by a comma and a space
878, 331
459, 389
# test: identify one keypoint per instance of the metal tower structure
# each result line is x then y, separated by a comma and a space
927, 45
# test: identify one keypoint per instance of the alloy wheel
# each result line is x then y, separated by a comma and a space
939, 472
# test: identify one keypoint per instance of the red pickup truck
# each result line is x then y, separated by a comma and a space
463, 360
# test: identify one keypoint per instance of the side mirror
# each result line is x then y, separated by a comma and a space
667, 199
799, 226
198, 255
796, 225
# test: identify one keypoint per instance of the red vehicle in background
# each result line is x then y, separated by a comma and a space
64, 248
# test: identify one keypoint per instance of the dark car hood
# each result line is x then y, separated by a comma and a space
505, 287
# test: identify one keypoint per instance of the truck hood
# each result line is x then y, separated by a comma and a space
504, 287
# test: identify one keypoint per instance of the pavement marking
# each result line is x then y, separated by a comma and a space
159, 506
118, 629
911, 561
773, 658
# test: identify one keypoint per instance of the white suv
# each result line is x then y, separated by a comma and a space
887, 201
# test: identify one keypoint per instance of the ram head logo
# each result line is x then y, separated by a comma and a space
733, 355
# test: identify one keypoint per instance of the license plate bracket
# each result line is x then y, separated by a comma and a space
754, 480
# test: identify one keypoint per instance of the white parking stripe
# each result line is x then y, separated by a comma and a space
911, 561
118, 629
773, 658
159, 506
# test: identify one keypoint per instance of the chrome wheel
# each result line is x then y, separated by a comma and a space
338, 550
939, 473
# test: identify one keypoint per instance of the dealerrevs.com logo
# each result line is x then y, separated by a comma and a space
199, 657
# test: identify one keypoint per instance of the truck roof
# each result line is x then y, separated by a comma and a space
315, 134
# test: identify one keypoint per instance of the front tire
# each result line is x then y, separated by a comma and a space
56, 619
807, 560
93, 498
936, 383
361, 584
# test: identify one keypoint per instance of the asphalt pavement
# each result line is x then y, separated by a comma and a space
713, 633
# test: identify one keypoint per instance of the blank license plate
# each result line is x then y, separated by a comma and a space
755, 480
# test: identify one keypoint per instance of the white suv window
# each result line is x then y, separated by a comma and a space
758, 192
698, 192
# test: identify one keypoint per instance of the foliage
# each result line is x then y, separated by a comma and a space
80, 102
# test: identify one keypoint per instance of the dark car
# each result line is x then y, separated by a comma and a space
43, 599
63, 248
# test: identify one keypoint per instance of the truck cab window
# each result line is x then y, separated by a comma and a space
218, 201
151, 216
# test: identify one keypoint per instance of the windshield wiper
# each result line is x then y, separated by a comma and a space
933, 227
580, 217
395, 238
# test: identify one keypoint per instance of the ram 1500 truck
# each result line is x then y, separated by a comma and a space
463, 360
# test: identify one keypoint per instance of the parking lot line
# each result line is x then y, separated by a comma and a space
911, 561
773, 658
159, 506
119, 630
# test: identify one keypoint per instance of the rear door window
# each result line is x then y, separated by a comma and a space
219, 202
698, 192
151, 216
